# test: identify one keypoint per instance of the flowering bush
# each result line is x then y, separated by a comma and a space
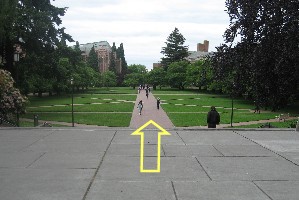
11, 100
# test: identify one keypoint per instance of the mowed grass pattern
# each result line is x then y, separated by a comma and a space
114, 107
100, 119
191, 110
100, 107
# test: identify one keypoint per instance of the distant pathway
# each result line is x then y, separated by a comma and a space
149, 112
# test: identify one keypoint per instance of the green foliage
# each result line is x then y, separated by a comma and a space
11, 100
176, 74
136, 75
174, 51
108, 79
156, 77
92, 59
264, 63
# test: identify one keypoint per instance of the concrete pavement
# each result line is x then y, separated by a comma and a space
79, 164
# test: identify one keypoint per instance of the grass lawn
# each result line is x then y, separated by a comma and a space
86, 105
191, 109
114, 106
286, 124
106, 119
200, 119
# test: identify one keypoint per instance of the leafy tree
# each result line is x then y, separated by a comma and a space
133, 80
156, 77
176, 74
136, 75
33, 24
92, 59
174, 51
108, 79
264, 63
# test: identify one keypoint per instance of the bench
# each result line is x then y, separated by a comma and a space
282, 117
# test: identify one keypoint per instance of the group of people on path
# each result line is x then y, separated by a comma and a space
147, 91
213, 117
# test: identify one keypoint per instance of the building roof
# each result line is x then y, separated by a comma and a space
197, 55
97, 45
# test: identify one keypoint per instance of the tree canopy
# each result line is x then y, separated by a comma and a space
261, 55
174, 51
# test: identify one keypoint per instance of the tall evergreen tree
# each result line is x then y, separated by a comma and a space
92, 59
174, 51
124, 66
112, 66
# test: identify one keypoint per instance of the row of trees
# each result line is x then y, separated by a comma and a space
46, 64
34, 56
259, 58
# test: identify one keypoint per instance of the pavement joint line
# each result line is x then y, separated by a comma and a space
218, 151
163, 151
21, 150
97, 169
173, 188
268, 149
262, 190
203, 169
181, 138
35, 160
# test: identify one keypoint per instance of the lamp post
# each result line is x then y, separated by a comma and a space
232, 112
16, 58
72, 84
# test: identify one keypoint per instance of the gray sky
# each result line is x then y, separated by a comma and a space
144, 25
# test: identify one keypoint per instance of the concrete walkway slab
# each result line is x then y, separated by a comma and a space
224, 190
61, 160
249, 168
191, 150
128, 190
37, 184
213, 137
84, 164
244, 150
280, 189
174, 168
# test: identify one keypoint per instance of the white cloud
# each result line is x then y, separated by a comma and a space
144, 25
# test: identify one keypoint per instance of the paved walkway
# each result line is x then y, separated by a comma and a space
92, 164
149, 112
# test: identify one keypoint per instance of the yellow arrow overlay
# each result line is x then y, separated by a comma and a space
160, 133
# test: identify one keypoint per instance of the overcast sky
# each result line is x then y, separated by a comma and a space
144, 25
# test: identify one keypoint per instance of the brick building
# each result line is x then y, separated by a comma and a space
203, 47
104, 53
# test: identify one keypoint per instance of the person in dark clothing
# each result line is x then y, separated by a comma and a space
158, 103
146, 91
213, 118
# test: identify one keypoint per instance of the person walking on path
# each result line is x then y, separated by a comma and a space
149, 112
158, 103
146, 91
213, 118
140, 106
